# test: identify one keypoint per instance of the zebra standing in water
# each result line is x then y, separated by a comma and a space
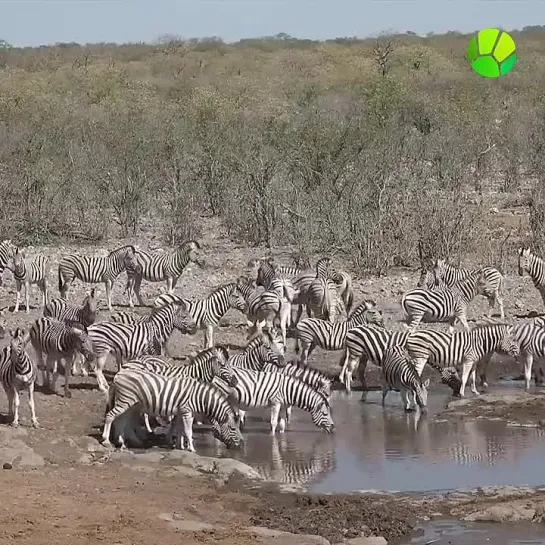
399, 373
449, 275
208, 312
322, 293
312, 332
158, 267
162, 396
58, 340
462, 348
27, 274
535, 267
129, 341
257, 389
96, 269
443, 304
7, 251
17, 373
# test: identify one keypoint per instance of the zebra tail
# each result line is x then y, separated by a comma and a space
349, 300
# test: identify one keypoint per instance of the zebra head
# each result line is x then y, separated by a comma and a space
82, 343
18, 263
237, 301
228, 431
222, 368
265, 271
374, 316
193, 252
426, 280
129, 258
321, 415
525, 260
508, 345
273, 348
184, 321
421, 393
450, 377
322, 267
438, 270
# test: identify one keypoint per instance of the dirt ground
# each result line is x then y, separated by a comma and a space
62, 486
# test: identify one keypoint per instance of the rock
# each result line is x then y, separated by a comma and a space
502, 513
375, 540
192, 526
279, 537
6, 465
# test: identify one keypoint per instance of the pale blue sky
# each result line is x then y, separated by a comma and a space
36, 22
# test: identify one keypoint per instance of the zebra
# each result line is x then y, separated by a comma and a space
58, 340
158, 267
27, 273
314, 378
208, 312
462, 348
267, 348
7, 251
84, 314
129, 341
205, 366
256, 389
17, 373
162, 396
530, 337
322, 292
443, 304
494, 281
96, 269
535, 267
399, 373
312, 332
182, 321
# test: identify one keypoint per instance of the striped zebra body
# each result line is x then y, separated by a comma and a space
312, 332
17, 373
363, 344
530, 337
208, 312
84, 314
7, 251
162, 266
27, 273
461, 348
178, 397
93, 270
492, 278
257, 389
314, 378
443, 304
322, 292
428, 281
58, 340
535, 267
129, 341
343, 280
260, 351
399, 373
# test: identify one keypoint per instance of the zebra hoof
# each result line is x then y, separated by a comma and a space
68, 394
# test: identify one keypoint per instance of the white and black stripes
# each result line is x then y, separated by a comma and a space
96, 269
7, 251
535, 267
267, 348
84, 314
27, 273
208, 311
162, 266
443, 304
312, 332
322, 292
17, 373
161, 396
399, 373
259, 389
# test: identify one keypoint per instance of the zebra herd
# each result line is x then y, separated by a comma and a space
220, 386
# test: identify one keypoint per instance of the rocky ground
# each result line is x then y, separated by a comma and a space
62, 486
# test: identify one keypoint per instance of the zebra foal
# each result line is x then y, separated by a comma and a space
399, 373
17, 373
162, 266
93, 270
208, 312
27, 273
442, 304
179, 397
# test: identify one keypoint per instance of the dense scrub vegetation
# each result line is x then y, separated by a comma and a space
376, 148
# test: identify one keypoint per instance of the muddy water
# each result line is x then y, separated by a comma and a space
376, 448
459, 533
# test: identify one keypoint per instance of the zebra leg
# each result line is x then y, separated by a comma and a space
27, 297
170, 285
361, 377
187, 421
385, 390
45, 294
467, 367
108, 285
18, 287
528, 361
474, 382
146, 423
209, 336
137, 283
16, 403
499, 300
99, 374
288, 414
67, 373
304, 352
52, 367
275, 411
119, 361
242, 419
414, 319
10, 396
32, 406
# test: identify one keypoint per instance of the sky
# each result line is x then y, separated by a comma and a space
41, 22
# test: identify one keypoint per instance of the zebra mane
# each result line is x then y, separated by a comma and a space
360, 308
222, 288
487, 322
126, 247
301, 365
212, 350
